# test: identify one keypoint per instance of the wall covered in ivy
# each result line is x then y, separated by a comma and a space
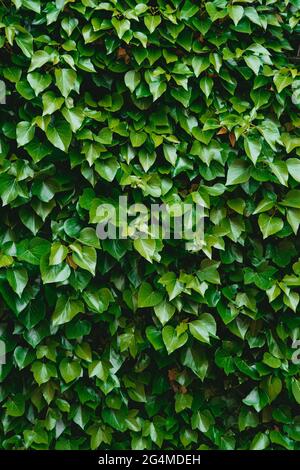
142, 344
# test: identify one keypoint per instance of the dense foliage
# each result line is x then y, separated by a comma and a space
143, 344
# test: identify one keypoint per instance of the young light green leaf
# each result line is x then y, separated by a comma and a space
269, 225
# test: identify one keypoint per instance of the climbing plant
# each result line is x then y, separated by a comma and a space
143, 343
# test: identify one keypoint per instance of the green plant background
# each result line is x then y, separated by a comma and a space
143, 345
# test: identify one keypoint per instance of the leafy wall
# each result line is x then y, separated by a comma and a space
144, 345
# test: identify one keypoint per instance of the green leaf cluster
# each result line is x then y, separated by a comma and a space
141, 344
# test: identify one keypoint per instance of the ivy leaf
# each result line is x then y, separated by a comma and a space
39, 59
23, 357
38, 82
253, 63
57, 254
282, 81
15, 405
70, 370
25, 133
206, 85
270, 132
238, 172
66, 309
202, 420
172, 340
147, 297
65, 80
85, 257
51, 273
18, 279
203, 328
236, 13
152, 22
194, 358
147, 248
260, 442
296, 389
269, 225
43, 372
253, 148
292, 199
164, 311
51, 103
293, 166
59, 134
98, 301
132, 79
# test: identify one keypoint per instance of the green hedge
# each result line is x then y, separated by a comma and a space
122, 344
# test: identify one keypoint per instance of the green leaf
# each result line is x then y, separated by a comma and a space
85, 257
121, 26
152, 22
236, 13
280, 170
202, 420
269, 225
172, 339
256, 398
147, 248
53, 272
253, 63
89, 237
32, 250
59, 134
38, 82
18, 279
51, 103
270, 132
23, 357
34, 5
98, 301
282, 81
65, 80
194, 358
147, 297
74, 116
57, 254
39, 59
203, 328
292, 199
69, 24
293, 166
170, 153
25, 132
206, 85
253, 148
260, 442
154, 337
293, 218
15, 405
107, 169
200, 64
43, 372
296, 389
164, 311
183, 402
132, 79
9, 188
70, 370
66, 309
238, 172
30, 219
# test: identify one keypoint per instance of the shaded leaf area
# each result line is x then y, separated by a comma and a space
141, 343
